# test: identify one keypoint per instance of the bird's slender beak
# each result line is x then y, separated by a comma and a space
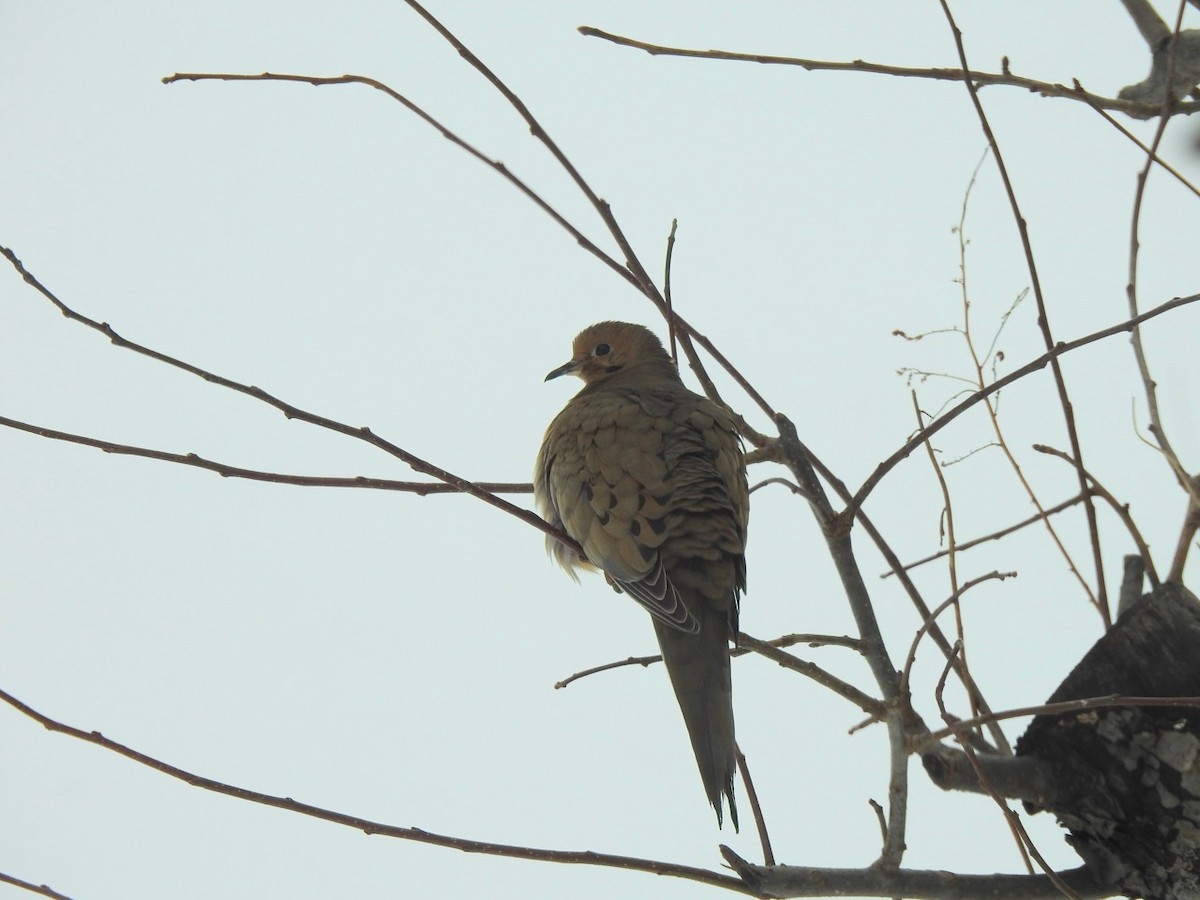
566, 369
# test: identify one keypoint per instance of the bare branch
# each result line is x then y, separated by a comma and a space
865, 702
43, 889
371, 827
755, 807
1187, 534
637, 273
318, 81
228, 471
787, 640
793, 446
1138, 141
1139, 351
993, 536
1066, 706
983, 79
937, 611
1121, 509
917, 884
362, 433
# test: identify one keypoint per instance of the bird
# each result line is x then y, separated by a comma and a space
649, 478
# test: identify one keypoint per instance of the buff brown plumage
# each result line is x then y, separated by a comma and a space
650, 479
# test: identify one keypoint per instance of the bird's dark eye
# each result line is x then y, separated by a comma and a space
602, 350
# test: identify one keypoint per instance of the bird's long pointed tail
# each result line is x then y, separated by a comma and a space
698, 666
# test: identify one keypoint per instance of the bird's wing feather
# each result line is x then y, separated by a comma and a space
601, 476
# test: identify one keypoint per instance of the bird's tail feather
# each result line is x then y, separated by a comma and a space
698, 666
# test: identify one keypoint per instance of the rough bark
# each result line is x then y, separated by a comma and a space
1127, 779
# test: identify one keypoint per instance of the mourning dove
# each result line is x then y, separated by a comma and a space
650, 480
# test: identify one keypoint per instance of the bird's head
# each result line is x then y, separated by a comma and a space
606, 348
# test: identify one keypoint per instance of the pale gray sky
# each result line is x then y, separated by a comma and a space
394, 657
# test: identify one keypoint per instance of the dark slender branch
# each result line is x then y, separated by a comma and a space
1043, 320
445, 132
1149, 387
787, 640
863, 701
371, 827
1187, 534
1138, 141
636, 271
950, 601
760, 823
667, 299
994, 536
898, 713
983, 79
795, 456
361, 433
43, 889
1121, 509
227, 471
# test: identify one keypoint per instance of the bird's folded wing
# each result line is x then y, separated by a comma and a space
603, 478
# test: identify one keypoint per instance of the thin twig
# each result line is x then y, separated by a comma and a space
868, 704
760, 823
1067, 706
1043, 320
948, 518
1121, 509
1139, 351
994, 536
952, 600
228, 471
636, 271
992, 410
43, 889
906, 582
362, 433
983, 79
495, 164
787, 640
667, 291
1138, 141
